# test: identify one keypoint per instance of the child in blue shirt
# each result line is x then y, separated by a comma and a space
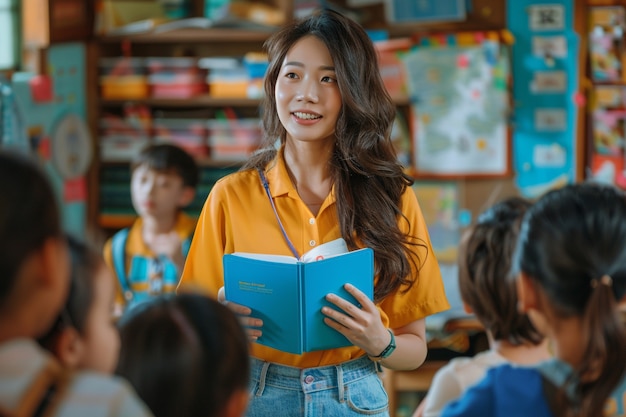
570, 264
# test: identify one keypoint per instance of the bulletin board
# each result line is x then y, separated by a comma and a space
545, 87
54, 119
607, 67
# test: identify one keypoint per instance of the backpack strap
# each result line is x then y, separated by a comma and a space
118, 253
186, 244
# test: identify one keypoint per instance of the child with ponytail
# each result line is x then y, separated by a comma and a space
570, 265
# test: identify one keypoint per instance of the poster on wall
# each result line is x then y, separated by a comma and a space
439, 201
460, 109
425, 11
57, 128
545, 78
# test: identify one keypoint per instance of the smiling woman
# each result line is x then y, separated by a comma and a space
9, 34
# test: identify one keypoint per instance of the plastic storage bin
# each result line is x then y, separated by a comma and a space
119, 140
233, 139
175, 78
227, 77
123, 78
189, 134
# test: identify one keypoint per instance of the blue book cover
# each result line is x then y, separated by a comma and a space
288, 295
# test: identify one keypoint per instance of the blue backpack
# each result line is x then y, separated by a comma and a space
139, 268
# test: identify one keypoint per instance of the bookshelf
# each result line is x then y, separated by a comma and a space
109, 205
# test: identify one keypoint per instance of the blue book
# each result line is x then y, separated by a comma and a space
288, 295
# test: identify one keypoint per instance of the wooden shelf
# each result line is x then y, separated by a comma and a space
202, 162
116, 221
207, 100
193, 35
201, 100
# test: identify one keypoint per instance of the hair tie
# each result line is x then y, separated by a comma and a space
604, 280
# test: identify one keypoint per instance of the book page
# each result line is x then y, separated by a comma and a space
326, 250
323, 251
267, 257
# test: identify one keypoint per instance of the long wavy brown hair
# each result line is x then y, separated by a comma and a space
368, 179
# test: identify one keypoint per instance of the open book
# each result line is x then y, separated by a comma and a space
288, 295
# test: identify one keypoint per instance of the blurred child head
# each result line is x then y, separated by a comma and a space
485, 283
571, 266
34, 266
164, 180
186, 355
84, 335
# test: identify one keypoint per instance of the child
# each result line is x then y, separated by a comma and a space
334, 175
570, 263
34, 271
485, 254
84, 336
148, 257
187, 356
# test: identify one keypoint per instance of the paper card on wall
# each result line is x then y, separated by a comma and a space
550, 120
41, 89
549, 82
549, 156
609, 131
75, 189
607, 17
549, 46
604, 57
609, 96
547, 17
608, 169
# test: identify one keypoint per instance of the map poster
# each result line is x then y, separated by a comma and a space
460, 109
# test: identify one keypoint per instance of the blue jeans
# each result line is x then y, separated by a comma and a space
352, 388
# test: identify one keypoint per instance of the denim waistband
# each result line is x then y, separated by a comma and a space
311, 379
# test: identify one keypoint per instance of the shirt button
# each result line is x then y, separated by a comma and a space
311, 242
309, 379
311, 220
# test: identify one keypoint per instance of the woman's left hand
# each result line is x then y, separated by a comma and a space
362, 326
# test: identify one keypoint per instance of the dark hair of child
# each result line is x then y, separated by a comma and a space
85, 262
485, 279
572, 247
168, 158
184, 354
364, 165
29, 215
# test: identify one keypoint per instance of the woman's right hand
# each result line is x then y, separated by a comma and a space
250, 324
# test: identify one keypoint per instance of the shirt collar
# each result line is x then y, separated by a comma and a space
558, 372
278, 177
280, 183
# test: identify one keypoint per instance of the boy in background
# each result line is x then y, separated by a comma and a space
148, 257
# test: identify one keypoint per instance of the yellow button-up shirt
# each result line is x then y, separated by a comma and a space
238, 217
